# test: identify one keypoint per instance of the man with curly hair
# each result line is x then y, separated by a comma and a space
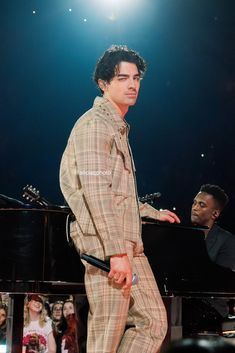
97, 178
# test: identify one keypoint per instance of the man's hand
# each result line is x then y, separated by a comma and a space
166, 215
120, 270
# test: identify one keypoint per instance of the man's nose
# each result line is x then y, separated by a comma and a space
132, 83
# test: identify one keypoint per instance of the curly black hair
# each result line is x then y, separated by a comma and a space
107, 64
219, 194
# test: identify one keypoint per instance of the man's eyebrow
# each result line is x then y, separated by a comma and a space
126, 75
199, 201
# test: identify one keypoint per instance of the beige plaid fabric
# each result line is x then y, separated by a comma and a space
98, 181
125, 322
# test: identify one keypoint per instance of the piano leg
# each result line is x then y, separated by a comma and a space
174, 315
16, 324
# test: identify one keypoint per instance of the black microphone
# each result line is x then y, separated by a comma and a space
104, 265
156, 194
150, 197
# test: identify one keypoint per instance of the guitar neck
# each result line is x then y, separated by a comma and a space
43, 202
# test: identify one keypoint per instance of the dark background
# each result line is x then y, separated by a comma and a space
185, 108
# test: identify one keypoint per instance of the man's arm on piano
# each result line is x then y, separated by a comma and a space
147, 210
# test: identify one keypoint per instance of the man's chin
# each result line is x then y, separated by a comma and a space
195, 221
132, 102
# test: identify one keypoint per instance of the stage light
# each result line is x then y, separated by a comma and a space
34, 12
113, 3
114, 9
3, 348
202, 155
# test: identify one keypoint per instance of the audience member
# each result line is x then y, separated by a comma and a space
70, 337
58, 323
3, 324
68, 307
38, 333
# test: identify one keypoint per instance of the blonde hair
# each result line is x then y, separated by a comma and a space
42, 315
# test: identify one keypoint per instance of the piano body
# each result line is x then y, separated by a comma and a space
181, 264
183, 269
37, 255
36, 258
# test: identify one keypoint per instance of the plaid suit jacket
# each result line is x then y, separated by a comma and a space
97, 179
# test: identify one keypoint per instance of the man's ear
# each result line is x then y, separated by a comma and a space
215, 214
102, 84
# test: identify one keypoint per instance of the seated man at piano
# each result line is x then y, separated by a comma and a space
207, 206
206, 209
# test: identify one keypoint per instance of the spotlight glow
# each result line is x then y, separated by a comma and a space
114, 9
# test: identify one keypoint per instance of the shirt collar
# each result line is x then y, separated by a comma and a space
112, 114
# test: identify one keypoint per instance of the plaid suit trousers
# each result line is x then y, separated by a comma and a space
131, 321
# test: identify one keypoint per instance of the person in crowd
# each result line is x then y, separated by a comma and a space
3, 323
68, 307
38, 333
58, 323
97, 179
70, 336
57, 312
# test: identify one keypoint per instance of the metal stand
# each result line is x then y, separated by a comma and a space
15, 323
174, 315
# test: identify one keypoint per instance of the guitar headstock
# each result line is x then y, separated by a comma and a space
31, 194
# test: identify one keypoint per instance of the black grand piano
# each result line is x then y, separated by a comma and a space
181, 264
183, 269
37, 256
